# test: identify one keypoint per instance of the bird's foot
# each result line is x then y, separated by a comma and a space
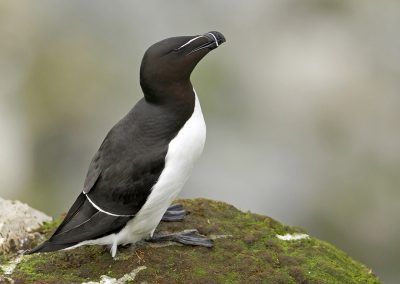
174, 213
187, 237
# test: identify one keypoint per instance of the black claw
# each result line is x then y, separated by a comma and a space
186, 237
174, 213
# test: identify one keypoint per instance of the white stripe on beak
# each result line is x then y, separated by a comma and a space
216, 41
193, 39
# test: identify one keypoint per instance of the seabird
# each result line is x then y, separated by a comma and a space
146, 158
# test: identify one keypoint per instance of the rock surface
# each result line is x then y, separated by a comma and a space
248, 248
18, 223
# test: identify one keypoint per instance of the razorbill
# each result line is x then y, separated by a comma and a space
146, 158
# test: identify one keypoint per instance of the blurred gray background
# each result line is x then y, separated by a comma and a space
301, 104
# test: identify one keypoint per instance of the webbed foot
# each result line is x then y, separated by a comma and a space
175, 212
187, 237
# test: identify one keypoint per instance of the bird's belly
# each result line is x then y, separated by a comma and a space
183, 152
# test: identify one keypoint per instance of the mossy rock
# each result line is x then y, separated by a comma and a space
246, 250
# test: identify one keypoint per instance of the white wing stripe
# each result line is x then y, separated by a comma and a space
104, 211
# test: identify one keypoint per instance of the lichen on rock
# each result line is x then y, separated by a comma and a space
104, 279
246, 250
18, 225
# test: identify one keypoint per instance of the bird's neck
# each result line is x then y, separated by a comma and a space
167, 92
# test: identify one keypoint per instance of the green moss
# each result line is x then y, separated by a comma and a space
48, 227
250, 254
4, 258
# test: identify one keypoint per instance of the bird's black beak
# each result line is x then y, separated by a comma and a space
215, 38
209, 41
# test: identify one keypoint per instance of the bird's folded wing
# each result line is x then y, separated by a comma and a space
84, 222
120, 188
129, 162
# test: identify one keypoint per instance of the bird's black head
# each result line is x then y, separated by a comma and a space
168, 63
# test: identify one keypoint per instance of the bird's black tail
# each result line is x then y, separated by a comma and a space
48, 246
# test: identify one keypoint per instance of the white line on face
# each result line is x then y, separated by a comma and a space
193, 39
